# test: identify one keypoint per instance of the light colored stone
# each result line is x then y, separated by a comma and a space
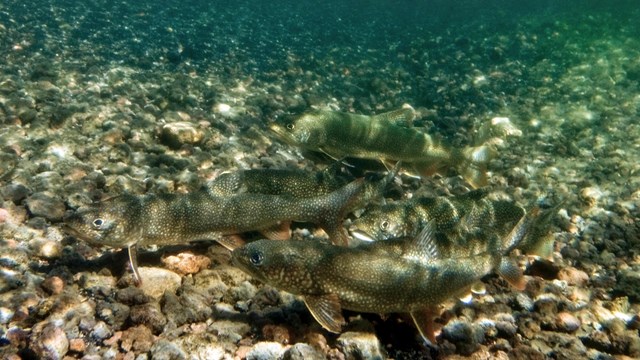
360, 345
155, 281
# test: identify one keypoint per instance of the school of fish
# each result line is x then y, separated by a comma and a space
402, 256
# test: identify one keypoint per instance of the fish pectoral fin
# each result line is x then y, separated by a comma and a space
280, 231
230, 242
511, 272
326, 309
133, 262
334, 157
423, 319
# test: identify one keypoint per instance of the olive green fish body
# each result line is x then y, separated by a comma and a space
368, 278
297, 183
467, 223
342, 134
129, 220
383, 137
401, 275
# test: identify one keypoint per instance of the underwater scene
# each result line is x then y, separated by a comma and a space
349, 179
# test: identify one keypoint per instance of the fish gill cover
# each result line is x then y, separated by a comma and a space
98, 98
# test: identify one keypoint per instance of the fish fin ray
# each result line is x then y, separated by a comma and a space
230, 242
423, 319
327, 311
132, 250
280, 231
403, 116
424, 245
511, 272
337, 204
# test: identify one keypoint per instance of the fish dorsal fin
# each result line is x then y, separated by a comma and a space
280, 231
403, 116
423, 319
423, 247
326, 310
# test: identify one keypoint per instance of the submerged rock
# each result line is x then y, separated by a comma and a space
46, 206
359, 345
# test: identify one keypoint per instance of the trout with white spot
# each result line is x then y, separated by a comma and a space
379, 277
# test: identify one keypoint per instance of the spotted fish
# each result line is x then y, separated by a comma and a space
129, 221
385, 137
398, 275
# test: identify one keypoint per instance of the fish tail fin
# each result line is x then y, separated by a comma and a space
538, 241
472, 161
333, 208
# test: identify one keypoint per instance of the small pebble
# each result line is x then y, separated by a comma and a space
524, 302
277, 333
573, 276
302, 351
53, 285
5, 315
77, 345
155, 281
101, 331
266, 350
180, 133
186, 263
567, 322
50, 343
358, 345
48, 207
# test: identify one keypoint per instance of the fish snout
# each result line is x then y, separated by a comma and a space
360, 235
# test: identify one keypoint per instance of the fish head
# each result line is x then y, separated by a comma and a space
381, 223
287, 265
108, 223
307, 130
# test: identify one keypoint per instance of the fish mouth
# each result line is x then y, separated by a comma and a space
70, 230
361, 235
278, 129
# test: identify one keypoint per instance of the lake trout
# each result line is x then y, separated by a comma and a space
294, 182
463, 223
379, 277
383, 137
299, 184
131, 221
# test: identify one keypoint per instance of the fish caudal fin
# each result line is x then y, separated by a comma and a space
333, 208
472, 164
472, 161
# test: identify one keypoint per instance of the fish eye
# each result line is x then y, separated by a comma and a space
291, 126
384, 225
97, 223
256, 258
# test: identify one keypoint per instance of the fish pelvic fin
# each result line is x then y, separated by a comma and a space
327, 311
132, 250
424, 320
